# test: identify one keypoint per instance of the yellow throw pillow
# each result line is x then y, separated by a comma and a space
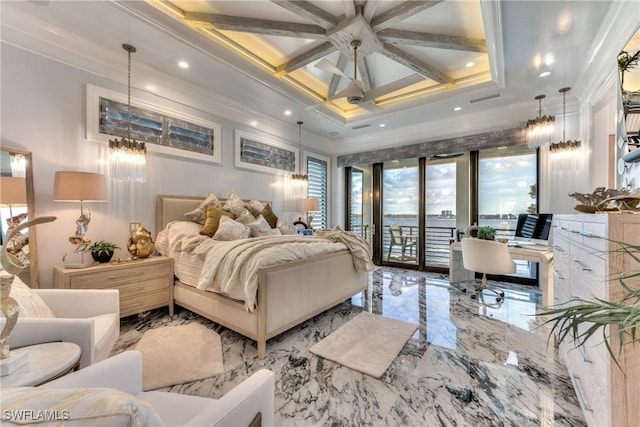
268, 214
212, 220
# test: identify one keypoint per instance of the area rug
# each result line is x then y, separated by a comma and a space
179, 354
368, 343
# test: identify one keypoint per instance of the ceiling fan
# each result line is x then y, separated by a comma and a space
355, 91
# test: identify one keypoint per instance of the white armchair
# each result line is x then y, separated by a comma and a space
87, 317
251, 403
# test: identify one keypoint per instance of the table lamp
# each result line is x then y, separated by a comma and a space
71, 186
310, 205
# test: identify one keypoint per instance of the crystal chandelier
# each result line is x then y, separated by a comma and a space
564, 144
541, 129
299, 177
128, 157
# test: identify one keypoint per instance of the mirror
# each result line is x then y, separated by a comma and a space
17, 204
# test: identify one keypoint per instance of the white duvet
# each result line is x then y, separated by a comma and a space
231, 268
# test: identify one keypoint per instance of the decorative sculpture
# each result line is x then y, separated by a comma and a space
140, 244
13, 266
597, 200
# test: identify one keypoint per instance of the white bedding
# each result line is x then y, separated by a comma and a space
231, 268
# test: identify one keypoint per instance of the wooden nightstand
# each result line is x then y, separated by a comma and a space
143, 284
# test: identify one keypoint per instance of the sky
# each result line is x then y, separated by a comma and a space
504, 187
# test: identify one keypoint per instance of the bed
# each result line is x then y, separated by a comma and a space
287, 294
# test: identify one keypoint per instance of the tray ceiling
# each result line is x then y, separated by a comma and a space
410, 50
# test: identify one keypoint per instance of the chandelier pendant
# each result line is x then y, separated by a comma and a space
300, 177
541, 129
564, 144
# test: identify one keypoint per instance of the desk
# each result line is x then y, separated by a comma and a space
45, 362
541, 255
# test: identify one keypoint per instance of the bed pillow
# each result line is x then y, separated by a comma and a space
285, 227
234, 204
199, 214
245, 217
268, 214
231, 230
30, 303
259, 224
255, 207
213, 220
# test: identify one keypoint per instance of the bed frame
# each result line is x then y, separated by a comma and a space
288, 294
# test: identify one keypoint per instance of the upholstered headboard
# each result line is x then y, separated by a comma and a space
173, 208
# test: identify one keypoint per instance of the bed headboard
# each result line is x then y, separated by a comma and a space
173, 208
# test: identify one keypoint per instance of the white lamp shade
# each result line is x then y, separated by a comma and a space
71, 186
310, 205
13, 191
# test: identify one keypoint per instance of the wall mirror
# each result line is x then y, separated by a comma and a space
17, 204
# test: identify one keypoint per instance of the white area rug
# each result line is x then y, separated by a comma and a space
179, 354
368, 343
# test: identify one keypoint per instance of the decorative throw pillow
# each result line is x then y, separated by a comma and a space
199, 214
213, 220
234, 204
259, 224
255, 207
269, 232
31, 305
245, 217
231, 230
268, 214
285, 227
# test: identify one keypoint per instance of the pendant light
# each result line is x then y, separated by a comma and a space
128, 157
299, 177
564, 144
541, 129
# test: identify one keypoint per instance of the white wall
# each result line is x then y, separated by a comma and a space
43, 111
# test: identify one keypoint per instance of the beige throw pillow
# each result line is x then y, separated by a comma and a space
245, 217
234, 204
259, 224
268, 214
30, 303
269, 232
231, 230
255, 207
199, 214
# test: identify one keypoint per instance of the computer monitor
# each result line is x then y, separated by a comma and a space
533, 228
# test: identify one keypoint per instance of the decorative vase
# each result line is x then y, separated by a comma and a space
102, 257
140, 244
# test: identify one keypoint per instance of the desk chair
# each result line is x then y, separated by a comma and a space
398, 239
487, 257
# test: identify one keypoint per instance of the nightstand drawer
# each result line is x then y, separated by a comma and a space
129, 290
110, 277
140, 303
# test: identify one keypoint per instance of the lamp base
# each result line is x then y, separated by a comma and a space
79, 261
16, 359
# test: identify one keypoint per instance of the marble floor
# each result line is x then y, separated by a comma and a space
467, 364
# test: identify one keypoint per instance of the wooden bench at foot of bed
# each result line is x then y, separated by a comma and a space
288, 294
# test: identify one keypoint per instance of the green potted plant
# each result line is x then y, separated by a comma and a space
102, 250
486, 233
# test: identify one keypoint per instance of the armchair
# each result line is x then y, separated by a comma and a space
251, 403
87, 317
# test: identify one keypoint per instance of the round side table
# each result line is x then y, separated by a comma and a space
45, 362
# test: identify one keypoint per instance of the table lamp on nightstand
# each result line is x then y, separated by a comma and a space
310, 205
71, 186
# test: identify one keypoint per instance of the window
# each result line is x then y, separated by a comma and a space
317, 170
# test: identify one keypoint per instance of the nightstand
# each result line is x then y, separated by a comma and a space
143, 284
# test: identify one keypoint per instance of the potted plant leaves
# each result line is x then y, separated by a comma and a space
487, 233
102, 250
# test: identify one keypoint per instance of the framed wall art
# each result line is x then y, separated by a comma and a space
260, 154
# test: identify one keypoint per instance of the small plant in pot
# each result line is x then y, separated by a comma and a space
487, 233
102, 250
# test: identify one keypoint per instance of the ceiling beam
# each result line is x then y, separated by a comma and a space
257, 26
416, 64
369, 10
308, 10
440, 41
335, 79
400, 12
305, 58
349, 9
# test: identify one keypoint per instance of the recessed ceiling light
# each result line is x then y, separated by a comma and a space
545, 73
287, 112
382, 125
183, 64
334, 133
470, 64
253, 123
457, 109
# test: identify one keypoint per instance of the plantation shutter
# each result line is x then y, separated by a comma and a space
318, 189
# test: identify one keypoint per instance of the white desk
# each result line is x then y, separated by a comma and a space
45, 363
541, 255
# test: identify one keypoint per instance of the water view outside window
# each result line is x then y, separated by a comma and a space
400, 211
440, 196
356, 221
